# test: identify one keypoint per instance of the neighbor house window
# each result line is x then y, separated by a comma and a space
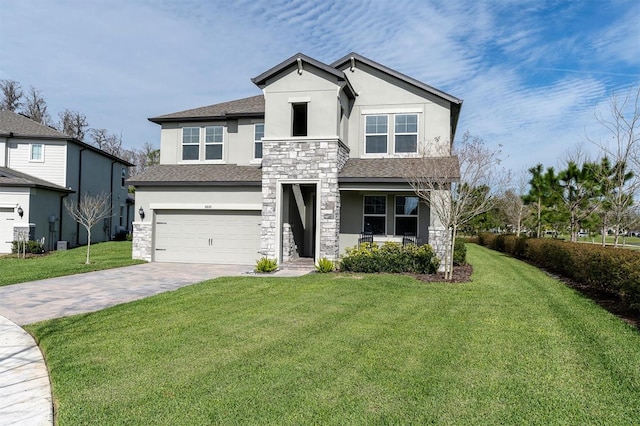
406, 133
258, 134
376, 133
299, 125
375, 214
190, 143
123, 176
406, 215
37, 152
213, 143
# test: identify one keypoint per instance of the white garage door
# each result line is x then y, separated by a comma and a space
6, 229
217, 236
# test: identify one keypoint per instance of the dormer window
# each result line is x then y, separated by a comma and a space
190, 143
299, 126
213, 143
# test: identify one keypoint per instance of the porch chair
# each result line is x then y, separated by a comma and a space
365, 237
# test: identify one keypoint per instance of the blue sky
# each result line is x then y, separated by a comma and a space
532, 73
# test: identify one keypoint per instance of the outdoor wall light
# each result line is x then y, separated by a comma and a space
141, 213
20, 212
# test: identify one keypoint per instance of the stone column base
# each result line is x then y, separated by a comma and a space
142, 241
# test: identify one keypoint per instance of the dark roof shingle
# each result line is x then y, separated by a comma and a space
253, 106
19, 125
198, 175
10, 177
399, 169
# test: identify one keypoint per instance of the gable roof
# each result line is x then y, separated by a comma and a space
14, 125
198, 175
245, 107
20, 125
262, 78
10, 177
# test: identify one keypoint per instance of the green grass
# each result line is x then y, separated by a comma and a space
512, 347
113, 254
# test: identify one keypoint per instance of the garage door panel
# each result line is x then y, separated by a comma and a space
207, 236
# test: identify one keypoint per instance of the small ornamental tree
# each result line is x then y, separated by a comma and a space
88, 212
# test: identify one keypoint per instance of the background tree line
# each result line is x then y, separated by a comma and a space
74, 124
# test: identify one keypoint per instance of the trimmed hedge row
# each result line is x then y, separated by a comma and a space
390, 257
603, 268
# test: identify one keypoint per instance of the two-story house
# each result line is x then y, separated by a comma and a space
40, 168
301, 170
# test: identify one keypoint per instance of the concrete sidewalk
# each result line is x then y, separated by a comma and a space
25, 392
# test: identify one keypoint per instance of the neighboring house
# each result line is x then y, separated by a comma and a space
40, 168
299, 171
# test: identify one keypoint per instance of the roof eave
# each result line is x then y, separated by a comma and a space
193, 183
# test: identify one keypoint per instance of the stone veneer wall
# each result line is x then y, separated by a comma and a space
22, 231
289, 249
438, 238
141, 247
302, 160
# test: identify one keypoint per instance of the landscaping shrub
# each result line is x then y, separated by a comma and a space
34, 247
390, 257
614, 270
459, 252
325, 265
266, 265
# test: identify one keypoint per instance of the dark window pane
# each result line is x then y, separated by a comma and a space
407, 205
299, 120
375, 204
406, 143
406, 226
376, 144
190, 152
258, 150
375, 225
213, 152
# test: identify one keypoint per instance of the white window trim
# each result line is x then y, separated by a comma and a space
395, 134
395, 215
205, 144
386, 211
388, 134
255, 141
36, 160
182, 145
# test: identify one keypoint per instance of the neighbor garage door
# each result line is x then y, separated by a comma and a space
217, 236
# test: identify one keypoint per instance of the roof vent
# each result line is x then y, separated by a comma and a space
353, 64
299, 61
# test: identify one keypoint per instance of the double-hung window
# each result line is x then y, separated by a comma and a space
258, 134
190, 143
37, 152
376, 134
375, 214
406, 215
213, 143
406, 133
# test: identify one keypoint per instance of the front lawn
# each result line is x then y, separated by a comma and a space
112, 254
512, 347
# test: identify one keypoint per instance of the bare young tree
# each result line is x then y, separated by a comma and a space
623, 150
11, 95
108, 142
512, 203
35, 106
458, 188
88, 212
73, 123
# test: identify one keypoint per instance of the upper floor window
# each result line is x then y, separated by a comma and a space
190, 143
213, 143
376, 133
406, 215
406, 133
123, 176
258, 134
37, 152
375, 214
299, 125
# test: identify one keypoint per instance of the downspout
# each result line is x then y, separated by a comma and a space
79, 192
60, 216
111, 197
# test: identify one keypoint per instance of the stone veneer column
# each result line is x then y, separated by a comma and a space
303, 160
142, 244
439, 236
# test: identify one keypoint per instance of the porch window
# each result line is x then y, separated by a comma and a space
406, 133
190, 143
376, 133
375, 214
213, 143
258, 134
299, 125
406, 215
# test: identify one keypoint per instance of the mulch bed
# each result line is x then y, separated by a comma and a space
461, 274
